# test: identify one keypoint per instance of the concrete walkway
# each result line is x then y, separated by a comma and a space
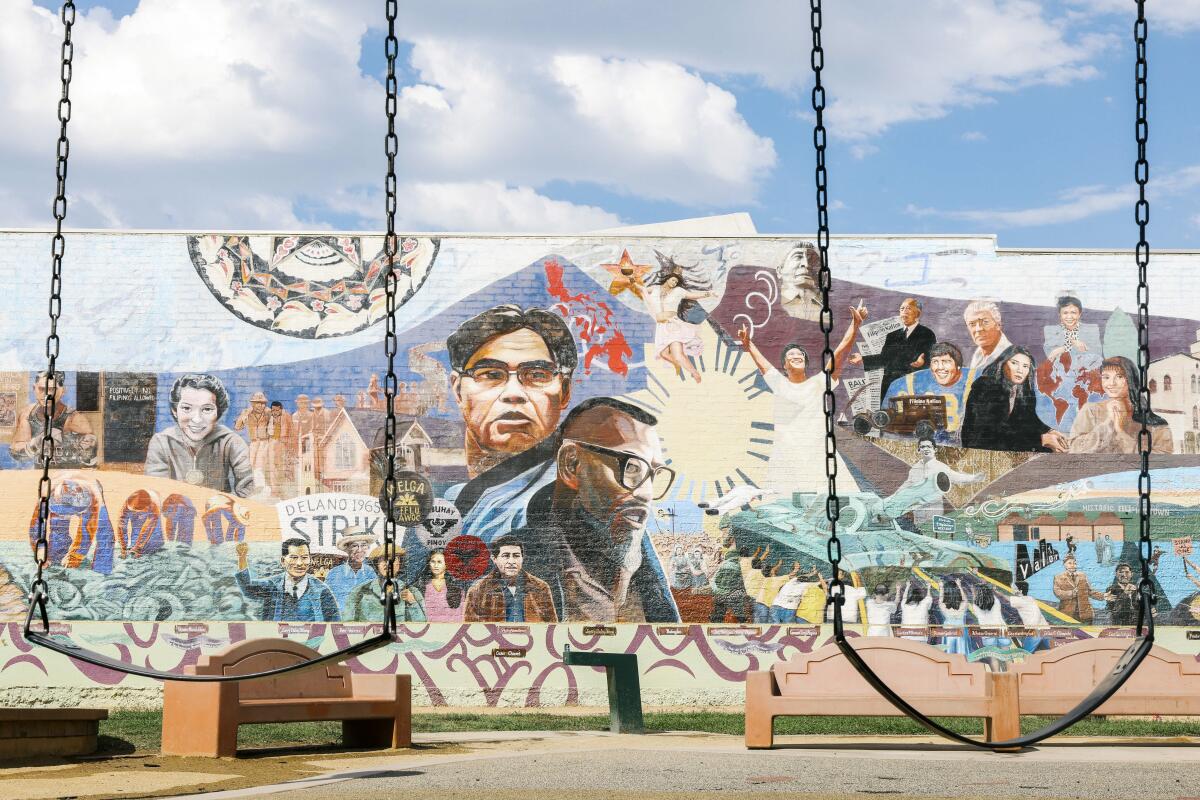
582, 766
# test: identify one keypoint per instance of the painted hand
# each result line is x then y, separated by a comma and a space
1055, 441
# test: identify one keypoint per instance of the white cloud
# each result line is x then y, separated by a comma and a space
262, 103
1074, 204
886, 62
861, 150
478, 206
974, 136
1174, 16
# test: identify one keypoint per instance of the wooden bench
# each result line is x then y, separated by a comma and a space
31, 732
823, 683
1050, 682
201, 719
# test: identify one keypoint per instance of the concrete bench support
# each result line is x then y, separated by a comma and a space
32, 732
624, 686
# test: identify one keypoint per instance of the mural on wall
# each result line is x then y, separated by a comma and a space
626, 430
308, 286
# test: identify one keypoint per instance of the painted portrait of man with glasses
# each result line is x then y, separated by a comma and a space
586, 532
511, 376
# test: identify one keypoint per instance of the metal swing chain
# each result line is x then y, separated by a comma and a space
1142, 256
825, 283
41, 554
390, 343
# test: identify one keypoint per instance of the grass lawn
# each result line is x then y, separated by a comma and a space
131, 731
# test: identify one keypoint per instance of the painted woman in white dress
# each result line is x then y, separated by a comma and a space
675, 340
796, 463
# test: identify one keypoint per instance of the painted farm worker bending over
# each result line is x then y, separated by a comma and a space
508, 593
586, 535
198, 449
365, 601
294, 596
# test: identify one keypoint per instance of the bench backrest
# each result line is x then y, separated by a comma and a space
1052, 680
256, 655
912, 668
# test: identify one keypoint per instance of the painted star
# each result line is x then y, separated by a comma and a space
627, 275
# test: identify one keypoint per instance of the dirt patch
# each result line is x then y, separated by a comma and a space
151, 775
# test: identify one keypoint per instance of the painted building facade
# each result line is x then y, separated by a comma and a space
634, 423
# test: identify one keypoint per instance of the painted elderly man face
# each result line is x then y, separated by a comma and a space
985, 330
909, 312
511, 392
357, 552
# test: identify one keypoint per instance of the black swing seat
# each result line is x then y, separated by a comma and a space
1124, 667
61, 644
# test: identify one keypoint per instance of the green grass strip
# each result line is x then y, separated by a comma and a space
130, 731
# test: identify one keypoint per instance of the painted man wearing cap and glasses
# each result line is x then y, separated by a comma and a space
586, 535
198, 449
343, 578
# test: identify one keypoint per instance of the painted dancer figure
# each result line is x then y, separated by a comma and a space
676, 340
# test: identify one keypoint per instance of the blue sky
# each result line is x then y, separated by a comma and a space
974, 116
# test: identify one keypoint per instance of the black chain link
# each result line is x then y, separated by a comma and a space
1142, 256
58, 246
390, 343
825, 283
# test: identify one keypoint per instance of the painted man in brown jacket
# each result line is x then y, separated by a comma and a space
1072, 589
508, 593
